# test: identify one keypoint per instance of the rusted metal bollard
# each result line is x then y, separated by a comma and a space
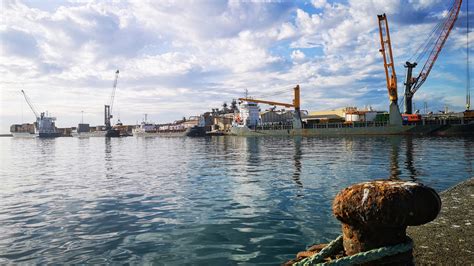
376, 214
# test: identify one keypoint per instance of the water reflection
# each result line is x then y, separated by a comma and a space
222, 200
409, 160
253, 156
469, 153
297, 162
394, 157
396, 145
108, 157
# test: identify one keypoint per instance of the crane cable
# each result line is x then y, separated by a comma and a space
468, 73
433, 37
428, 44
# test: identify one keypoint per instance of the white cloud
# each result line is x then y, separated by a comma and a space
422, 4
298, 56
180, 58
319, 3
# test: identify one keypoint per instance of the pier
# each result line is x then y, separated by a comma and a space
449, 239
445, 240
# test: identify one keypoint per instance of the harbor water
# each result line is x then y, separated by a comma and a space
174, 201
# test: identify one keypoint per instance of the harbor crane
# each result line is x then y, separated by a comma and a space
413, 84
44, 126
297, 122
390, 75
434, 44
108, 111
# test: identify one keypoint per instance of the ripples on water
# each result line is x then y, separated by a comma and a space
220, 200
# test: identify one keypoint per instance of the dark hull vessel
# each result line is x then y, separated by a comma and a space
112, 133
49, 135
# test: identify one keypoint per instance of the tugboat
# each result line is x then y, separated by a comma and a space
145, 129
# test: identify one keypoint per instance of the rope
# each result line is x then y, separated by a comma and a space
327, 251
362, 257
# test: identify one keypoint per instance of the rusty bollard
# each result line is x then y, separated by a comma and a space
376, 214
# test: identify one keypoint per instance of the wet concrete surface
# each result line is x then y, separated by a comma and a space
449, 239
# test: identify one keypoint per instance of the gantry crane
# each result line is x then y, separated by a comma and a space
390, 75
412, 84
108, 111
297, 123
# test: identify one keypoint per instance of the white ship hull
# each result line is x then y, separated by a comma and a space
89, 134
23, 135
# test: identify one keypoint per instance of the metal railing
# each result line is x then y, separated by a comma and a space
451, 121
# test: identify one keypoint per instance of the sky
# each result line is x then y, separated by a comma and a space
183, 58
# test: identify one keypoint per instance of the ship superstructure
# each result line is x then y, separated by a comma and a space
249, 115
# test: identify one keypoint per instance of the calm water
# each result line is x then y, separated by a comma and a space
221, 200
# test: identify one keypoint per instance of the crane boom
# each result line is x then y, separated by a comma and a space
108, 108
112, 96
386, 50
266, 102
30, 104
297, 122
390, 75
413, 84
295, 104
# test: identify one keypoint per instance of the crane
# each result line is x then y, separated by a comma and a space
297, 123
108, 107
28, 101
44, 125
390, 75
412, 84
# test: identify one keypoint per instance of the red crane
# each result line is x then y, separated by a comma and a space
412, 84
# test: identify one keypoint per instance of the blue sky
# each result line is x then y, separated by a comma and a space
182, 58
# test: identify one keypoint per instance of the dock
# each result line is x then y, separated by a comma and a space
449, 239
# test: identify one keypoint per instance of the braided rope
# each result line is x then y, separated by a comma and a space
362, 257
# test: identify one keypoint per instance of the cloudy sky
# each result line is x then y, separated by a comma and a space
182, 58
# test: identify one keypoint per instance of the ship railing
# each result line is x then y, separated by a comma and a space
274, 127
326, 125
442, 121
350, 125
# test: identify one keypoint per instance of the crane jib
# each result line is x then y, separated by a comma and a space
438, 46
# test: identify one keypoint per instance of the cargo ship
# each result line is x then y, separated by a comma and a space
44, 126
145, 129
190, 127
248, 122
194, 131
